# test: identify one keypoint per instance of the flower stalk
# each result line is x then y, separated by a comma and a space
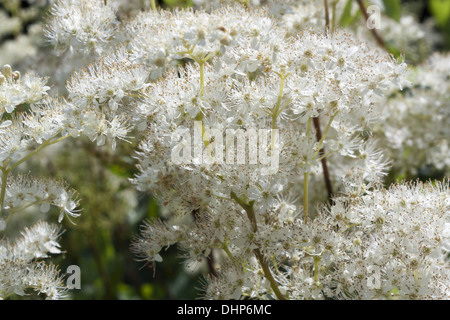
153, 4
376, 35
305, 195
248, 207
3, 190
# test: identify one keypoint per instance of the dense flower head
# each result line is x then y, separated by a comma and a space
38, 242
280, 88
23, 191
400, 235
82, 25
280, 83
160, 38
108, 80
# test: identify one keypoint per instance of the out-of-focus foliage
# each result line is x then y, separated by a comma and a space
440, 9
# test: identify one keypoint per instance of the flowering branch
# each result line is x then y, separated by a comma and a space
248, 207
45, 144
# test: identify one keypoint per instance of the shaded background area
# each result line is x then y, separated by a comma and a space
112, 210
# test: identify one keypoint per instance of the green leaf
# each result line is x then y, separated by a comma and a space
178, 3
440, 9
393, 9
346, 17
147, 291
119, 170
153, 208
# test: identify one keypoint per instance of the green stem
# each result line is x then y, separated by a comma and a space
333, 19
316, 269
305, 195
153, 3
42, 146
308, 129
14, 210
3, 191
324, 135
276, 109
248, 207
202, 78
199, 117
327, 15
268, 275
325, 155
201, 62
228, 252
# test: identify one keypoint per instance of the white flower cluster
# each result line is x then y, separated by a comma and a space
406, 36
159, 38
86, 25
237, 109
415, 127
15, 91
21, 267
260, 80
381, 244
48, 121
276, 7
29, 122
24, 191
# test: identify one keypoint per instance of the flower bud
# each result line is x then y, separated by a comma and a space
16, 76
6, 71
